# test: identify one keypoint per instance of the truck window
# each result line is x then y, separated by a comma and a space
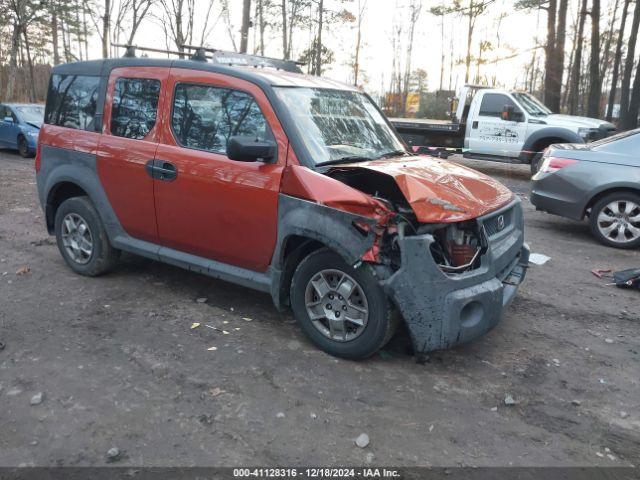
72, 101
134, 107
493, 104
205, 117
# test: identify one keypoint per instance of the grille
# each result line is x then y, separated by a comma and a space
494, 225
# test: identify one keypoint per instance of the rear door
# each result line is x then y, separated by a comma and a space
129, 141
489, 134
211, 206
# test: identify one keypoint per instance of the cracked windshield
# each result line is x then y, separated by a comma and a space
339, 126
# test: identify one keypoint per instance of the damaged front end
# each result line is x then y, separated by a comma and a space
449, 251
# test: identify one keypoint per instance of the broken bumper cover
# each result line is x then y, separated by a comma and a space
441, 310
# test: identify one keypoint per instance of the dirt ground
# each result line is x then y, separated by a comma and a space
119, 366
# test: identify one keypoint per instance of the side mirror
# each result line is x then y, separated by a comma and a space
250, 149
8, 119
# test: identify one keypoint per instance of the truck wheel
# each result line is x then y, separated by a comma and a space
615, 220
536, 163
343, 310
82, 239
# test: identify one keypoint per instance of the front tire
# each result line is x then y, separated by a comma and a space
82, 238
536, 163
23, 147
342, 310
615, 220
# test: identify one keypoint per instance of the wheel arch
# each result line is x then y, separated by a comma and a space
304, 227
57, 194
541, 139
607, 190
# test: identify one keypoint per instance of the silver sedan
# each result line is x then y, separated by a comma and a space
600, 181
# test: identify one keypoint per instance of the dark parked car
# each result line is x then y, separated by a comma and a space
600, 180
19, 126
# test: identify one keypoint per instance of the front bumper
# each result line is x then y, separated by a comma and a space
443, 311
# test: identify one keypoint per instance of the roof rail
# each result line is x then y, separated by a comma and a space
204, 54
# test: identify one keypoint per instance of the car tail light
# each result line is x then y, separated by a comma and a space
553, 164
37, 161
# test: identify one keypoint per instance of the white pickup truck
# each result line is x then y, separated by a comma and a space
499, 125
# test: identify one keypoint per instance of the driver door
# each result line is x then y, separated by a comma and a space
208, 205
9, 130
490, 134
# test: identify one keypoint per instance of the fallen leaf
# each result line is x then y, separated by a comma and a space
216, 391
225, 332
23, 270
212, 349
247, 319
194, 325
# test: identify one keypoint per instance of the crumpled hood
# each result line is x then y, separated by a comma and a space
557, 119
439, 191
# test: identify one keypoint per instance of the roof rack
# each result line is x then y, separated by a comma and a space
222, 57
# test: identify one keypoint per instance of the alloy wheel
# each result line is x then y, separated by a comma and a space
619, 221
336, 305
77, 238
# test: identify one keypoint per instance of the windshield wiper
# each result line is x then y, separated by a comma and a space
347, 159
393, 153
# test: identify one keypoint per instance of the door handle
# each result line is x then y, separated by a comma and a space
161, 170
474, 124
165, 171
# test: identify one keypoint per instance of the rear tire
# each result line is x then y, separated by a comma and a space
82, 238
23, 147
536, 163
362, 292
615, 220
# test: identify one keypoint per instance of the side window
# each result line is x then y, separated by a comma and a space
134, 107
72, 101
205, 117
493, 104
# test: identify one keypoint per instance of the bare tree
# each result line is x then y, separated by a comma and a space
246, 23
179, 21
362, 6
574, 94
616, 61
415, 8
625, 120
593, 108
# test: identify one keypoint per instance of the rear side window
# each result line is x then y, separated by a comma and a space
493, 104
205, 117
72, 101
134, 107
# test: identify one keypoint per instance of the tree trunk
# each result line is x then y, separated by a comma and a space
558, 56
318, 61
467, 61
577, 62
593, 108
54, 34
631, 120
550, 51
356, 57
13, 61
628, 70
616, 62
244, 31
106, 28
32, 87
285, 51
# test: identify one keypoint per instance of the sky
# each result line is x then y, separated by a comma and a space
516, 35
